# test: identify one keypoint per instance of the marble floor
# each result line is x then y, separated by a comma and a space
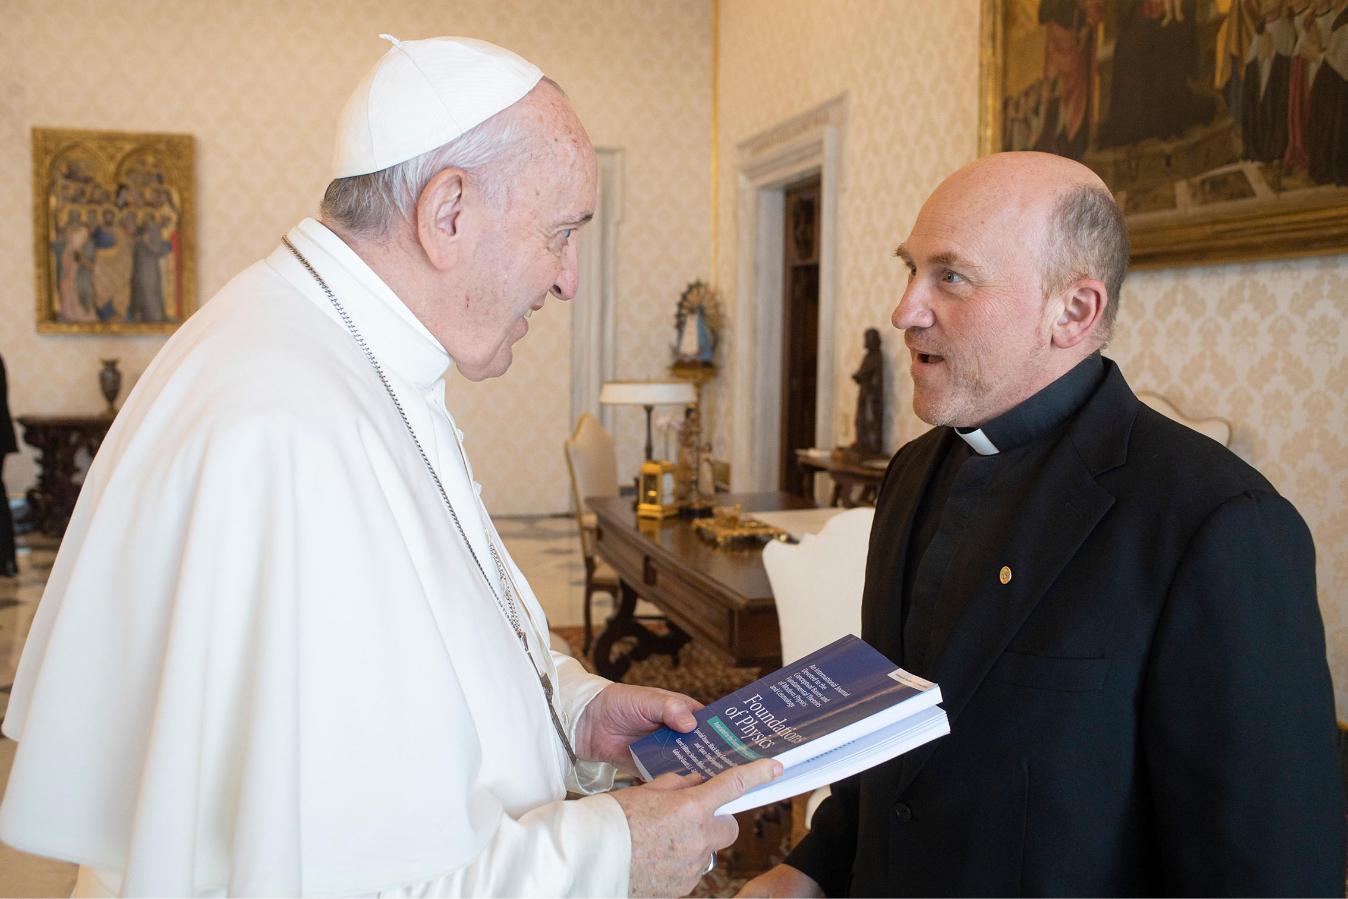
546, 549
22, 874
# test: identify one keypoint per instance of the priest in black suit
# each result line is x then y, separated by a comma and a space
1121, 614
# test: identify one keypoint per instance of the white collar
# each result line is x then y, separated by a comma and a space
399, 341
979, 441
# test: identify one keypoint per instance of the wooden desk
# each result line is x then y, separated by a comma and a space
59, 439
855, 482
719, 597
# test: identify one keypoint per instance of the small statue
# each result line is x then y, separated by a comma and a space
697, 325
870, 378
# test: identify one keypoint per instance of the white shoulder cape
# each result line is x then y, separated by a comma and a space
264, 662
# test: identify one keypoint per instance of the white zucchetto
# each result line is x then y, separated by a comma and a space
421, 95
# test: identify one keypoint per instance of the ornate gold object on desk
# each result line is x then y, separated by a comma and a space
655, 490
728, 525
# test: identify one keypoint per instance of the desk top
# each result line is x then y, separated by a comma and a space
734, 574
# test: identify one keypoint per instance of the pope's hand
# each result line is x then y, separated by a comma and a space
782, 880
622, 713
674, 827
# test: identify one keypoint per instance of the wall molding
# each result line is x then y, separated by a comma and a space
804, 145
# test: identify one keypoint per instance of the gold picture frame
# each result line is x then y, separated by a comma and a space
114, 231
1177, 138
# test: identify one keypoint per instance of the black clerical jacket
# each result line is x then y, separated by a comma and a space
1138, 695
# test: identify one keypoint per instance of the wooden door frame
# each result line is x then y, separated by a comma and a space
807, 144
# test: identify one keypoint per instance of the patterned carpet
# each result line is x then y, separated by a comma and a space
764, 834
699, 673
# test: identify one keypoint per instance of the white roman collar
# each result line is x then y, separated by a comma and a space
399, 341
979, 442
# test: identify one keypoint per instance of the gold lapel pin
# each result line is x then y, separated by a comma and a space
1004, 575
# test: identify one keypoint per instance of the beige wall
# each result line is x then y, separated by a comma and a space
1260, 344
259, 84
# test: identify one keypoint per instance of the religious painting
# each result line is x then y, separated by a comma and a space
1221, 126
113, 228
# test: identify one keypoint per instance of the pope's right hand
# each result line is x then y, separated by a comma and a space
675, 829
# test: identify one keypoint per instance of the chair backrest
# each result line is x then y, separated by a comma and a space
592, 462
817, 583
1219, 429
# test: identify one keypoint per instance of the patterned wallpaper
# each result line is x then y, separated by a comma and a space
259, 84
1260, 344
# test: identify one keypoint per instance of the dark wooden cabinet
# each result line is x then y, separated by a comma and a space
59, 440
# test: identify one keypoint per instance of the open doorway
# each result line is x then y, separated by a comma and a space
800, 330
782, 383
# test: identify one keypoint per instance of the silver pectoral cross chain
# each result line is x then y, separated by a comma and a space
508, 605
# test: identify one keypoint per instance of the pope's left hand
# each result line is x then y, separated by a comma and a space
622, 713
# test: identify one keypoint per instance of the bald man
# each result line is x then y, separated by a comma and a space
1121, 614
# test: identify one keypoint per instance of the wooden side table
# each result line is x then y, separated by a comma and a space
856, 482
59, 439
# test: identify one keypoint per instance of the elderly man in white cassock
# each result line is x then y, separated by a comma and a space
283, 649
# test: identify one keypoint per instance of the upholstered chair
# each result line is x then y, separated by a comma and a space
1219, 429
593, 465
816, 586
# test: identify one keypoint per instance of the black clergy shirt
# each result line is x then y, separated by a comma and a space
964, 483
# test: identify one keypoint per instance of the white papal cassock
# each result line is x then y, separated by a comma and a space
265, 662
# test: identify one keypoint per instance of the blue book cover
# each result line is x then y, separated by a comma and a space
831, 697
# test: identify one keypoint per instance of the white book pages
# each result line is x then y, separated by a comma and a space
848, 759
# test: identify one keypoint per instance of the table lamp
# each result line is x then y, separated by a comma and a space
648, 394
655, 487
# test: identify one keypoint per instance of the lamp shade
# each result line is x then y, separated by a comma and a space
648, 393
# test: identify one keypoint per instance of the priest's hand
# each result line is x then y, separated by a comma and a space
675, 829
782, 880
622, 713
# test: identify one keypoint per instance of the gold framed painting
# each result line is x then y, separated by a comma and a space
113, 231
1221, 126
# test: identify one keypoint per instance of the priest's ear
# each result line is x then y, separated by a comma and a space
1081, 314
440, 219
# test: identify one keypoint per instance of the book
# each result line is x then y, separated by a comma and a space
837, 711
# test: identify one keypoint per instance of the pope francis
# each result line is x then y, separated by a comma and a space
283, 649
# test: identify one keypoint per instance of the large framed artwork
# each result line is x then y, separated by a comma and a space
1220, 125
113, 231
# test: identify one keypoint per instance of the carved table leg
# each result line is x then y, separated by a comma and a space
623, 623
